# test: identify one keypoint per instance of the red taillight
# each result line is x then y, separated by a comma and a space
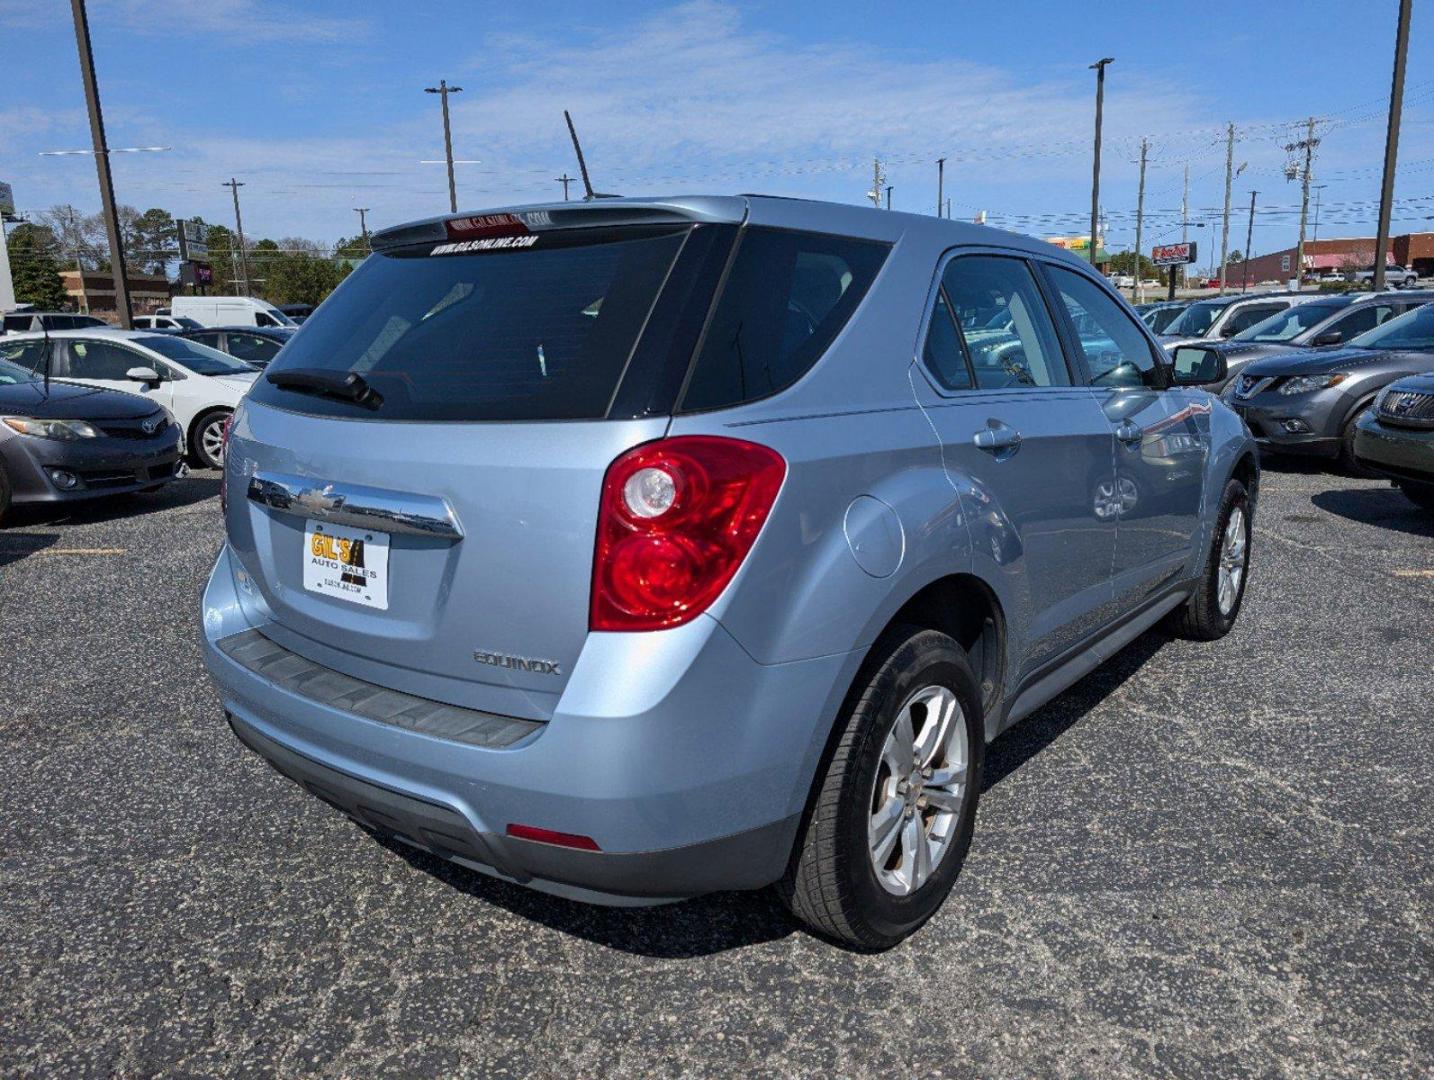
224, 468
677, 518
551, 836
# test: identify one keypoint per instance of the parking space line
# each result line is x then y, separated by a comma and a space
1414, 573
79, 551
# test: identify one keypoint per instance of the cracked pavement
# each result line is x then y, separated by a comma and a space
1207, 860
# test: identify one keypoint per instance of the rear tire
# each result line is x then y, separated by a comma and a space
206, 439
1211, 610
857, 874
1421, 495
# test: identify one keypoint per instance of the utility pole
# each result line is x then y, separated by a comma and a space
1249, 241
443, 90
1140, 218
102, 165
948, 208
1317, 189
878, 181
888, 196
1099, 68
1308, 144
565, 180
362, 212
234, 186
1225, 228
79, 267
1391, 141
940, 184
1184, 231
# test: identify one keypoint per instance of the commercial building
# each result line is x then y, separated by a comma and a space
96, 293
1340, 254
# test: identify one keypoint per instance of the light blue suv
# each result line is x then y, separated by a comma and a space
636, 549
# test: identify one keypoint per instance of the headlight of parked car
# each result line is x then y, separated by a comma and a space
1303, 384
51, 429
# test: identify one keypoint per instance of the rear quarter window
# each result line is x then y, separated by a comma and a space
786, 297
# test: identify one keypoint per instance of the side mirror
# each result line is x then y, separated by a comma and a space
1329, 337
142, 374
1194, 366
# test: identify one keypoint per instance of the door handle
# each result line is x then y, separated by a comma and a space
1129, 433
997, 439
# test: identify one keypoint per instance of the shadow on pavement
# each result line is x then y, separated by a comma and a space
723, 921
175, 494
1385, 507
16, 546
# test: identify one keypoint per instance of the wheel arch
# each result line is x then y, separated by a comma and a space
200, 417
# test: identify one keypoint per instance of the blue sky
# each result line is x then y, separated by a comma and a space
319, 107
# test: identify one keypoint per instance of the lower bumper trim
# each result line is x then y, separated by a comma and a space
747, 860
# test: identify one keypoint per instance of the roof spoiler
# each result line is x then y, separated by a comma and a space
526, 222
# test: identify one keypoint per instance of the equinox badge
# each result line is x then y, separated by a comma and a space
516, 663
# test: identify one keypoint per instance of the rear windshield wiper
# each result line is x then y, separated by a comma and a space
346, 385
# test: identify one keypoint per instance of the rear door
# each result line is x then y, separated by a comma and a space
468, 480
104, 363
1162, 437
1026, 445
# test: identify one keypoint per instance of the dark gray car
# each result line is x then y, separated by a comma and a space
1396, 437
1321, 323
1308, 402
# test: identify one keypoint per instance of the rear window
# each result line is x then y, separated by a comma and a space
786, 297
541, 332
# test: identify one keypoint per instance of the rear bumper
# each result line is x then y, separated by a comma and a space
687, 762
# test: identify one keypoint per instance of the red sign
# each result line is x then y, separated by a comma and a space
1173, 254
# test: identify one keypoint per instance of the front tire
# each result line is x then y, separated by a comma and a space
206, 439
891, 820
1211, 610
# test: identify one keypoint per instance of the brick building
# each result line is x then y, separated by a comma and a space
1414, 250
146, 292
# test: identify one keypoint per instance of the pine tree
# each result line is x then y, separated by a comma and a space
35, 270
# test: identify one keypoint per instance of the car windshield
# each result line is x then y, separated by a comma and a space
1414, 330
1160, 318
1197, 318
535, 331
1288, 323
12, 373
200, 359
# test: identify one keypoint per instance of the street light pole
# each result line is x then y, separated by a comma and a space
443, 90
234, 186
1391, 141
102, 165
940, 184
1099, 68
1249, 239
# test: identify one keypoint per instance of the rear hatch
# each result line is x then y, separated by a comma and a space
433, 530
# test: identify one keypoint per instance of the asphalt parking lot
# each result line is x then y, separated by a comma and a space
1209, 860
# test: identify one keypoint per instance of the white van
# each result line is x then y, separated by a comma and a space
228, 311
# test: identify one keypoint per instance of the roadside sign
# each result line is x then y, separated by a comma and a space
1173, 254
193, 240
1285, 263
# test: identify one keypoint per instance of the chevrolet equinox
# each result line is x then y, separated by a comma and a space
635, 549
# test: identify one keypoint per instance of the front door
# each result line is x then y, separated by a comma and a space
1162, 438
1027, 446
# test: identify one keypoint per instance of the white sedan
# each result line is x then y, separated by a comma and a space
199, 385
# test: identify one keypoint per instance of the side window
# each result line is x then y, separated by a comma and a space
943, 353
252, 347
263, 318
1243, 320
1116, 352
1004, 321
1363, 318
787, 296
27, 354
101, 360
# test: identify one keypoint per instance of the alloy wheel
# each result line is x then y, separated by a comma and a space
920, 788
1232, 562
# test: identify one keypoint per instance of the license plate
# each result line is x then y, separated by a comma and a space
351, 564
